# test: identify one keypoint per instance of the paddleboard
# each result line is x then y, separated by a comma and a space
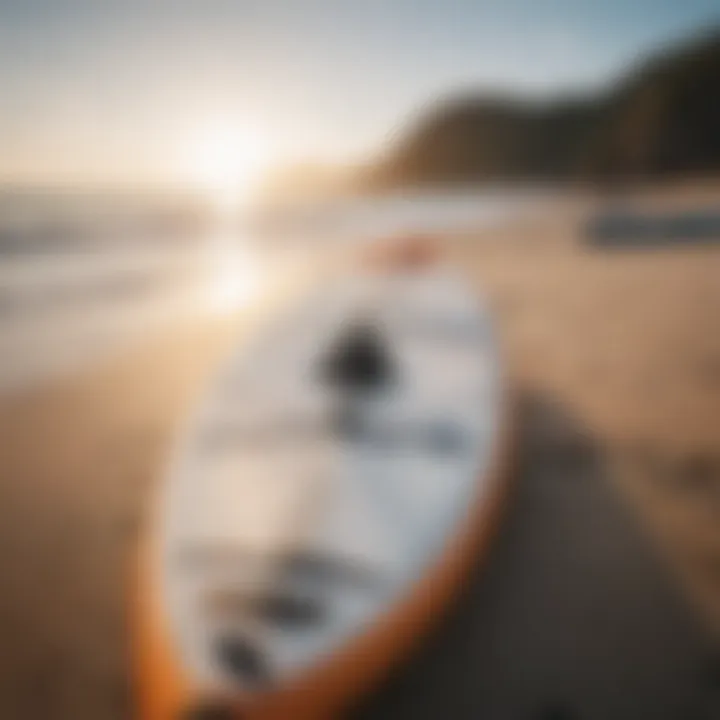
343, 471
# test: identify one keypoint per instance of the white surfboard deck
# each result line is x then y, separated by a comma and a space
289, 529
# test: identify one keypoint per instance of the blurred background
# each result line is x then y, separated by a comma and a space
167, 168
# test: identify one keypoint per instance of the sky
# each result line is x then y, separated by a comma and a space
122, 92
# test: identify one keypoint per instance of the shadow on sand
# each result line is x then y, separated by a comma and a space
571, 615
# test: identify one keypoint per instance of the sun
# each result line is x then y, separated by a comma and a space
227, 163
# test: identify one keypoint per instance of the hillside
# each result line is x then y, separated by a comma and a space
661, 119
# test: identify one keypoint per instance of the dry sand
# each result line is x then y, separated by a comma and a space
626, 341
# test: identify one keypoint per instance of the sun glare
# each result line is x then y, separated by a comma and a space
227, 163
234, 278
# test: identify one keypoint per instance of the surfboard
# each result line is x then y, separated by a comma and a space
342, 472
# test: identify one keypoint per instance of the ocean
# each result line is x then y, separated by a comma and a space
84, 275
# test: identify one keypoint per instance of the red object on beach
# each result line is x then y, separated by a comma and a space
408, 252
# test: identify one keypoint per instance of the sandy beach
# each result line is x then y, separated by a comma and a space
624, 341
628, 342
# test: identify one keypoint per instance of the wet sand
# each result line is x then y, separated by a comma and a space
626, 343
